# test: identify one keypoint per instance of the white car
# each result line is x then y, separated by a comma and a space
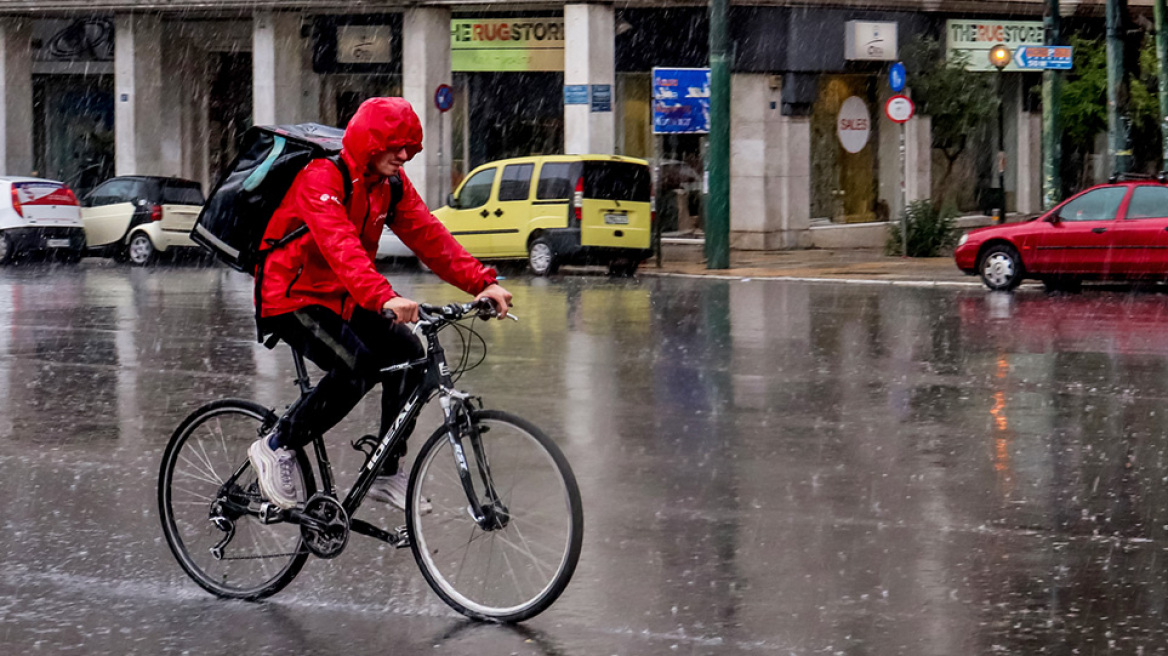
390, 246
135, 217
39, 215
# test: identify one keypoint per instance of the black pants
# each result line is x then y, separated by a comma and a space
353, 353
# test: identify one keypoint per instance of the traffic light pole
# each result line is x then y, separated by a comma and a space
718, 212
1052, 147
1158, 9
1117, 146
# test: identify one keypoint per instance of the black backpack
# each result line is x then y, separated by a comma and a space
236, 214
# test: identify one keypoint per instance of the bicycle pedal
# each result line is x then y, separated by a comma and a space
270, 513
402, 537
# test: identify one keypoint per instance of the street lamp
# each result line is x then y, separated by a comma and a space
1000, 57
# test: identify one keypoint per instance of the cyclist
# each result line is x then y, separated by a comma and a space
322, 295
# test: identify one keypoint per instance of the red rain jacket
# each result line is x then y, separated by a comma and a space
332, 265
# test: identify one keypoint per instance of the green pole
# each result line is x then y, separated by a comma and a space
1052, 132
1117, 148
718, 214
1158, 10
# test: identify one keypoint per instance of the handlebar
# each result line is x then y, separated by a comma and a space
483, 308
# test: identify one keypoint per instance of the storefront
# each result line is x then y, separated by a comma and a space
508, 73
73, 93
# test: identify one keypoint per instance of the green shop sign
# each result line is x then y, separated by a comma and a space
507, 44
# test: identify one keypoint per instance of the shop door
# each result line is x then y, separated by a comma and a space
843, 150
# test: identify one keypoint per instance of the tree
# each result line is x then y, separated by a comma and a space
959, 102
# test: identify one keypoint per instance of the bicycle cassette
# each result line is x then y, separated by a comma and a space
325, 528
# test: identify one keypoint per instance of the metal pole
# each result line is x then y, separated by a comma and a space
718, 215
1001, 218
903, 195
1158, 9
1117, 148
1052, 91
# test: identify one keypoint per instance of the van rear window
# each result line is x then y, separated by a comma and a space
616, 181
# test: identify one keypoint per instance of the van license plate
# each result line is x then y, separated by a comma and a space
621, 219
57, 243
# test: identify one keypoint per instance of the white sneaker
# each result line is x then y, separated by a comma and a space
392, 490
278, 474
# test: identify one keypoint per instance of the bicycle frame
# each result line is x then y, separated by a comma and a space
436, 379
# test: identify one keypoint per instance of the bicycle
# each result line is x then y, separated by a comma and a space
485, 472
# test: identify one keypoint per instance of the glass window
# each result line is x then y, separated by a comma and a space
1097, 205
516, 182
477, 190
1148, 203
616, 181
555, 181
182, 194
112, 192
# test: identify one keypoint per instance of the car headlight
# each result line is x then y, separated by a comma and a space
964, 238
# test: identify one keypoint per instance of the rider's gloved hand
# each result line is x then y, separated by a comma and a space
499, 296
404, 310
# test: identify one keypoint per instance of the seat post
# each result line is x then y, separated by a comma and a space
302, 380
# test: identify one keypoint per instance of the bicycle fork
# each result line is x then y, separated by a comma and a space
492, 515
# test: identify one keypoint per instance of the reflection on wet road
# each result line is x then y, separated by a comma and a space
766, 467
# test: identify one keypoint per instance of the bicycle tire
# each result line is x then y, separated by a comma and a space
222, 431
435, 536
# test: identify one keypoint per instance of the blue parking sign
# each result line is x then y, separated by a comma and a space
681, 100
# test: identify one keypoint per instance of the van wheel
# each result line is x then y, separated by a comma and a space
541, 258
140, 251
7, 250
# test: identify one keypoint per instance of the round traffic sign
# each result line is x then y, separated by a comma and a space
444, 97
899, 108
897, 77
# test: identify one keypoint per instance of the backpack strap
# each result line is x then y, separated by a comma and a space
396, 191
273, 244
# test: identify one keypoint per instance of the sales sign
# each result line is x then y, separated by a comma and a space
976, 37
681, 100
853, 125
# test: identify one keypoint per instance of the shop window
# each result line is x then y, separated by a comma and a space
477, 190
1148, 203
516, 182
555, 182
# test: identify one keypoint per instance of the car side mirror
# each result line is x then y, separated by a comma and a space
1053, 218
452, 200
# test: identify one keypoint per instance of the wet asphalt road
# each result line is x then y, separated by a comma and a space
766, 467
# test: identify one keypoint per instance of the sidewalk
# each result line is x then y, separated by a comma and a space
869, 266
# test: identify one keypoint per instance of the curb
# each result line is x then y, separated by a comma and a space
851, 281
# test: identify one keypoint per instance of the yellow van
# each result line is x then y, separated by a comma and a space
555, 209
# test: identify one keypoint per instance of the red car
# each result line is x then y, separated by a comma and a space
1115, 231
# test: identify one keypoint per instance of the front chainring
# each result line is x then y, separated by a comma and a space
329, 540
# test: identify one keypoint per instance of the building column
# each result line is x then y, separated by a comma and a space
277, 78
589, 59
16, 108
918, 156
138, 94
425, 66
770, 168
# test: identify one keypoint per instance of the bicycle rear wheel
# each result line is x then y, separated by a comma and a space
195, 499
506, 574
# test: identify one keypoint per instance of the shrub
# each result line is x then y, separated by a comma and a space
930, 231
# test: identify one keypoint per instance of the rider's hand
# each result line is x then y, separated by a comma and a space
405, 309
500, 296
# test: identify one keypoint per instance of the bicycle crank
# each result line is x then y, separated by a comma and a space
324, 526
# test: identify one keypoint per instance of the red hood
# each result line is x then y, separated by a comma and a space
379, 124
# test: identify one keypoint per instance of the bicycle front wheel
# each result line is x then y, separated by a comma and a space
506, 573
209, 501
